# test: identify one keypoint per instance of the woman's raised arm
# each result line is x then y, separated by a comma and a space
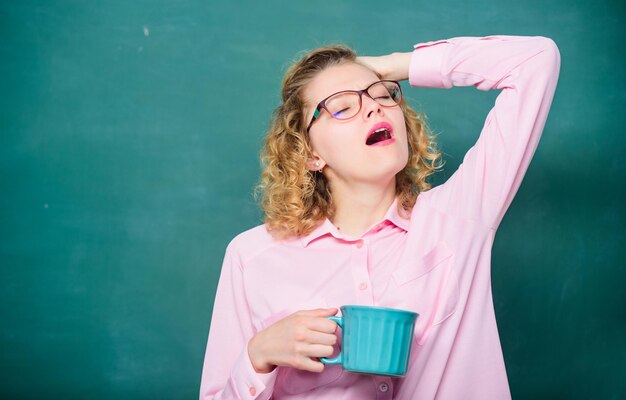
526, 69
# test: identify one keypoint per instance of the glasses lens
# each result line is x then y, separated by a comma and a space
386, 93
346, 105
343, 105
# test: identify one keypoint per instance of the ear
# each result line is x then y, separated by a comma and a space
315, 163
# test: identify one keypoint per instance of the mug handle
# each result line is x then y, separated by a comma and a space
336, 360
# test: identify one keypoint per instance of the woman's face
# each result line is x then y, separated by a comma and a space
341, 146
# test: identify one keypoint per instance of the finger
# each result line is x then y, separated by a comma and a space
366, 60
319, 350
327, 339
322, 325
312, 365
318, 312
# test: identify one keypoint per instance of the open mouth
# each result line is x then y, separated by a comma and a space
379, 135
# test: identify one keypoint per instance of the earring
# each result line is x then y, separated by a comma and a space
317, 165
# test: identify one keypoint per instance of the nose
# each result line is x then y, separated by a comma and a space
370, 106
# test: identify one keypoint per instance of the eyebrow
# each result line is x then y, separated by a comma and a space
348, 90
314, 105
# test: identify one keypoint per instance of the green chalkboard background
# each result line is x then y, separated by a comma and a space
129, 139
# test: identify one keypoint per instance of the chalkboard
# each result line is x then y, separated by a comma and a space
129, 140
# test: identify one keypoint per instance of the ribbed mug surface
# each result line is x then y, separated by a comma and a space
377, 340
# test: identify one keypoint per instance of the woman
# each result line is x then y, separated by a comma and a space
350, 219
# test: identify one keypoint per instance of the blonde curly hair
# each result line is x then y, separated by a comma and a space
296, 200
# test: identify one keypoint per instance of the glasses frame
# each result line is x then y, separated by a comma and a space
322, 104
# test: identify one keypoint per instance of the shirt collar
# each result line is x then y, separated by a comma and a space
394, 217
327, 227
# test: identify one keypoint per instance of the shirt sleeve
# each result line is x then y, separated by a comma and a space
228, 372
526, 69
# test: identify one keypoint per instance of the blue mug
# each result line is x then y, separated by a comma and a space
375, 340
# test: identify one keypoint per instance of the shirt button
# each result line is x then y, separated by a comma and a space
383, 387
252, 391
363, 286
359, 244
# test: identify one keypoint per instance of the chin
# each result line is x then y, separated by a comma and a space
384, 175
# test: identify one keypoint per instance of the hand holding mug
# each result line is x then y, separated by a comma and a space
295, 341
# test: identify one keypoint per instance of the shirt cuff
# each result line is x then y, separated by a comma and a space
426, 64
251, 385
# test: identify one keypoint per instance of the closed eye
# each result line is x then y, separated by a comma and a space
340, 112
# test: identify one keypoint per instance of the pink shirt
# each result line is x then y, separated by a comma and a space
436, 263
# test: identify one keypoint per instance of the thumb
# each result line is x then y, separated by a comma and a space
322, 312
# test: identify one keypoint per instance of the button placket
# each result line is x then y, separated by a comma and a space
384, 388
360, 272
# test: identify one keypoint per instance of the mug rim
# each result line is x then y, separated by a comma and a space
387, 309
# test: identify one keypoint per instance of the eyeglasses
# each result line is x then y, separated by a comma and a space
347, 103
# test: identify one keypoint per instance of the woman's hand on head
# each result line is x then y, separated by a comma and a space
295, 341
394, 66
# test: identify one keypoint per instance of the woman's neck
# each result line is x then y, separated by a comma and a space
359, 207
